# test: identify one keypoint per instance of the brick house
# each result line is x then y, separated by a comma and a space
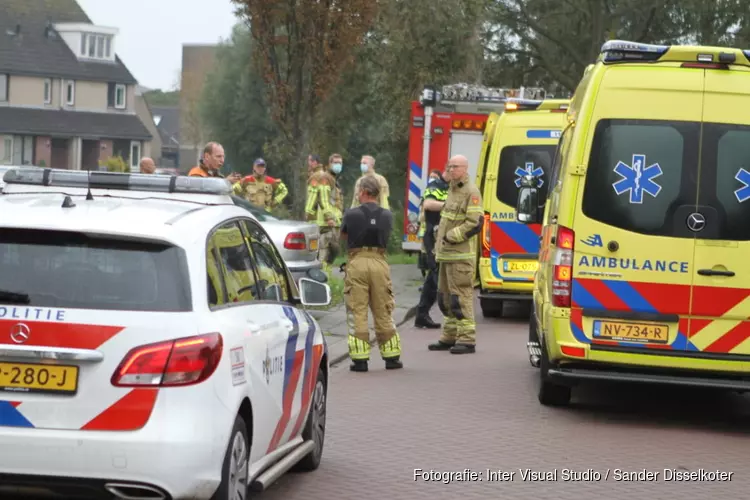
66, 99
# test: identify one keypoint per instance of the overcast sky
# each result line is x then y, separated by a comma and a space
152, 32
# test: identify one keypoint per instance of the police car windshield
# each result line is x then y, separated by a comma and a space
517, 161
74, 270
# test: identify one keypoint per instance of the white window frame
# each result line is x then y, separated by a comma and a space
7, 158
70, 88
48, 91
124, 89
5, 91
135, 160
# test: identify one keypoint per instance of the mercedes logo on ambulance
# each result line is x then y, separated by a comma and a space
19, 333
696, 222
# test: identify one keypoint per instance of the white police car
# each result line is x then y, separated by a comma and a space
152, 343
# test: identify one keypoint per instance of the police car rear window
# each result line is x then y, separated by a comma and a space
74, 270
516, 161
640, 172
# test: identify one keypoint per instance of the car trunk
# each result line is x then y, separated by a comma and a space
76, 311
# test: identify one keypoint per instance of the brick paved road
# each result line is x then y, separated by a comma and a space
449, 413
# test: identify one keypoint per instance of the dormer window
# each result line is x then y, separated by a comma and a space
88, 41
96, 46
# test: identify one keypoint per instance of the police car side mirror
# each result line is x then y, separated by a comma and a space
314, 293
527, 209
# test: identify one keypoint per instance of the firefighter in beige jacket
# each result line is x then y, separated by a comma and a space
368, 169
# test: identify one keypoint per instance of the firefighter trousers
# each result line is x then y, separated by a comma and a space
368, 286
456, 302
328, 246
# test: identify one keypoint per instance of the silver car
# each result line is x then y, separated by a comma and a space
297, 241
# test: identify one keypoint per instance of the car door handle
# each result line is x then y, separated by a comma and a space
288, 325
711, 272
253, 327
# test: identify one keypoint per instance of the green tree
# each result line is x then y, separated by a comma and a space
235, 109
301, 48
160, 98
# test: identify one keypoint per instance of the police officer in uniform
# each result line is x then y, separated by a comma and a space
460, 222
367, 283
433, 201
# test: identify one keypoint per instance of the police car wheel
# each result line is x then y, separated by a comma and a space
551, 394
236, 464
315, 428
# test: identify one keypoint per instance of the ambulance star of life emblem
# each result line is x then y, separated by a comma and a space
267, 367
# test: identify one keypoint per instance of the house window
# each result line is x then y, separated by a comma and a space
96, 46
120, 96
48, 91
7, 155
135, 156
3, 88
70, 92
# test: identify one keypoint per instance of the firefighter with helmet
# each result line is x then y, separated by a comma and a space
367, 282
460, 222
261, 189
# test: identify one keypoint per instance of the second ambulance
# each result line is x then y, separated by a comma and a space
519, 142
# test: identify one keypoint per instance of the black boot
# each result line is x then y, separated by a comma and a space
440, 346
463, 349
393, 363
425, 322
358, 365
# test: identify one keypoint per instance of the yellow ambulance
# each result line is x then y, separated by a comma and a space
644, 273
521, 141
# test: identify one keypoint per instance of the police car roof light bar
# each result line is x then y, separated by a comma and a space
623, 50
49, 177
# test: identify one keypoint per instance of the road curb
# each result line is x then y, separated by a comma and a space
410, 314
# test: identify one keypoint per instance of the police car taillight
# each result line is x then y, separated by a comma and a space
486, 236
562, 280
180, 362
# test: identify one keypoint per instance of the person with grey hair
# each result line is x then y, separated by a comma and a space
147, 165
367, 279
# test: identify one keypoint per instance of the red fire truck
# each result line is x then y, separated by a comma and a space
446, 123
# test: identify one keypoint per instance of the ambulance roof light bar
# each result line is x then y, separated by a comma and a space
49, 177
623, 50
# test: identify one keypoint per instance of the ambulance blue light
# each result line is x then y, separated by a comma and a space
622, 50
49, 177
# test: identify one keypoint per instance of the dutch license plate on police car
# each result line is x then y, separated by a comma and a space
313, 244
22, 377
633, 332
520, 266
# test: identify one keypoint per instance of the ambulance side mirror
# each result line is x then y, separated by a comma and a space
527, 209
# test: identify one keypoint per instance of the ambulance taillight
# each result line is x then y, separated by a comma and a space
486, 238
562, 280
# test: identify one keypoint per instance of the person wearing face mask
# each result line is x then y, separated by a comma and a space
260, 189
367, 166
329, 236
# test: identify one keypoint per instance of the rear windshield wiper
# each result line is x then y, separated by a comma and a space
14, 297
